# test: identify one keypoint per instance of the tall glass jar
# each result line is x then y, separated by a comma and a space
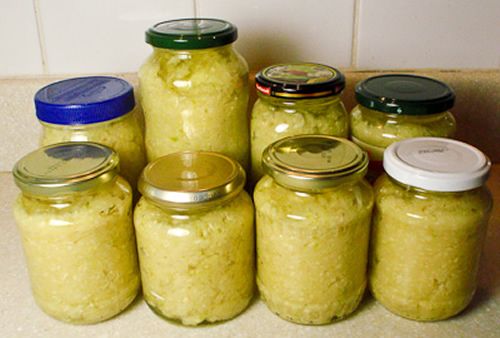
294, 99
75, 220
395, 107
313, 211
194, 90
195, 236
94, 109
430, 220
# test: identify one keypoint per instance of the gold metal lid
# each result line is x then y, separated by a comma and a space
312, 163
64, 168
191, 180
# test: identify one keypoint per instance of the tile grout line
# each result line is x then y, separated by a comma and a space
355, 31
41, 36
196, 7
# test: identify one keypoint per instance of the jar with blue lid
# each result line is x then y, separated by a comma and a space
98, 109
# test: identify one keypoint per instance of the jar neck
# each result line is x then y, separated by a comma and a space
421, 191
390, 116
89, 125
289, 102
187, 52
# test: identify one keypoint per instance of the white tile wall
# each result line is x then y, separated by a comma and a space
95, 36
102, 36
429, 34
272, 31
19, 46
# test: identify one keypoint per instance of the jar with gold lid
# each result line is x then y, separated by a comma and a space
313, 211
75, 219
430, 219
195, 236
294, 99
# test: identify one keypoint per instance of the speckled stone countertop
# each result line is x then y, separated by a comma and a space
20, 317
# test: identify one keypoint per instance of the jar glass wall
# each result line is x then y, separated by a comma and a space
195, 98
79, 245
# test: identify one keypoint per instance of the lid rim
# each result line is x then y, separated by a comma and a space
429, 178
187, 41
373, 93
117, 102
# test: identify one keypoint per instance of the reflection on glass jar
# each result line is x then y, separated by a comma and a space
75, 220
195, 237
194, 90
430, 220
313, 214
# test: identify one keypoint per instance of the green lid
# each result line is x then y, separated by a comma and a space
299, 81
313, 163
405, 94
191, 34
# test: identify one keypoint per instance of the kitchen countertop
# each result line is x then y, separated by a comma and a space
20, 317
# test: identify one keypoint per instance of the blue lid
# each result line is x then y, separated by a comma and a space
84, 100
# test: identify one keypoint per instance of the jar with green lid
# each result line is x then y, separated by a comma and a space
194, 90
195, 237
430, 219
97, 109
75, 219
394, 107
294, 99
313, 211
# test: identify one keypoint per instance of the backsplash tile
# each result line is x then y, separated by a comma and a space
276, 31
102, 36
20, 49
429, 34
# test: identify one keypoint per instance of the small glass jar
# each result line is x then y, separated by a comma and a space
430, 219
97, 109
294, 99
194, 90
195, 235
75, 220
313, 211
395, 107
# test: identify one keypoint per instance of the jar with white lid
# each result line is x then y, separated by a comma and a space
75, 219
430, 220
97, 109
194, 89
313, 211
195, 237
395, 107
294, 99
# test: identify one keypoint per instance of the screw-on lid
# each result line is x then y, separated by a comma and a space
64, 168
313, 163
84, 100
191, 180
299, 81
405, 94
191, 33
436, 164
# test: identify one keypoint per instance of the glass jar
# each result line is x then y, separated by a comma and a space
430, 219
195, 235
75, 220
96, 109
194, 90
313, 211
294, 99
395, 107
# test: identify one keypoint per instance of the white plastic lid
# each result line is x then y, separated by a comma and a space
436, 164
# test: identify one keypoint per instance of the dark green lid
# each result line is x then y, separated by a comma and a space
299, 81
191, 33
405, 94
